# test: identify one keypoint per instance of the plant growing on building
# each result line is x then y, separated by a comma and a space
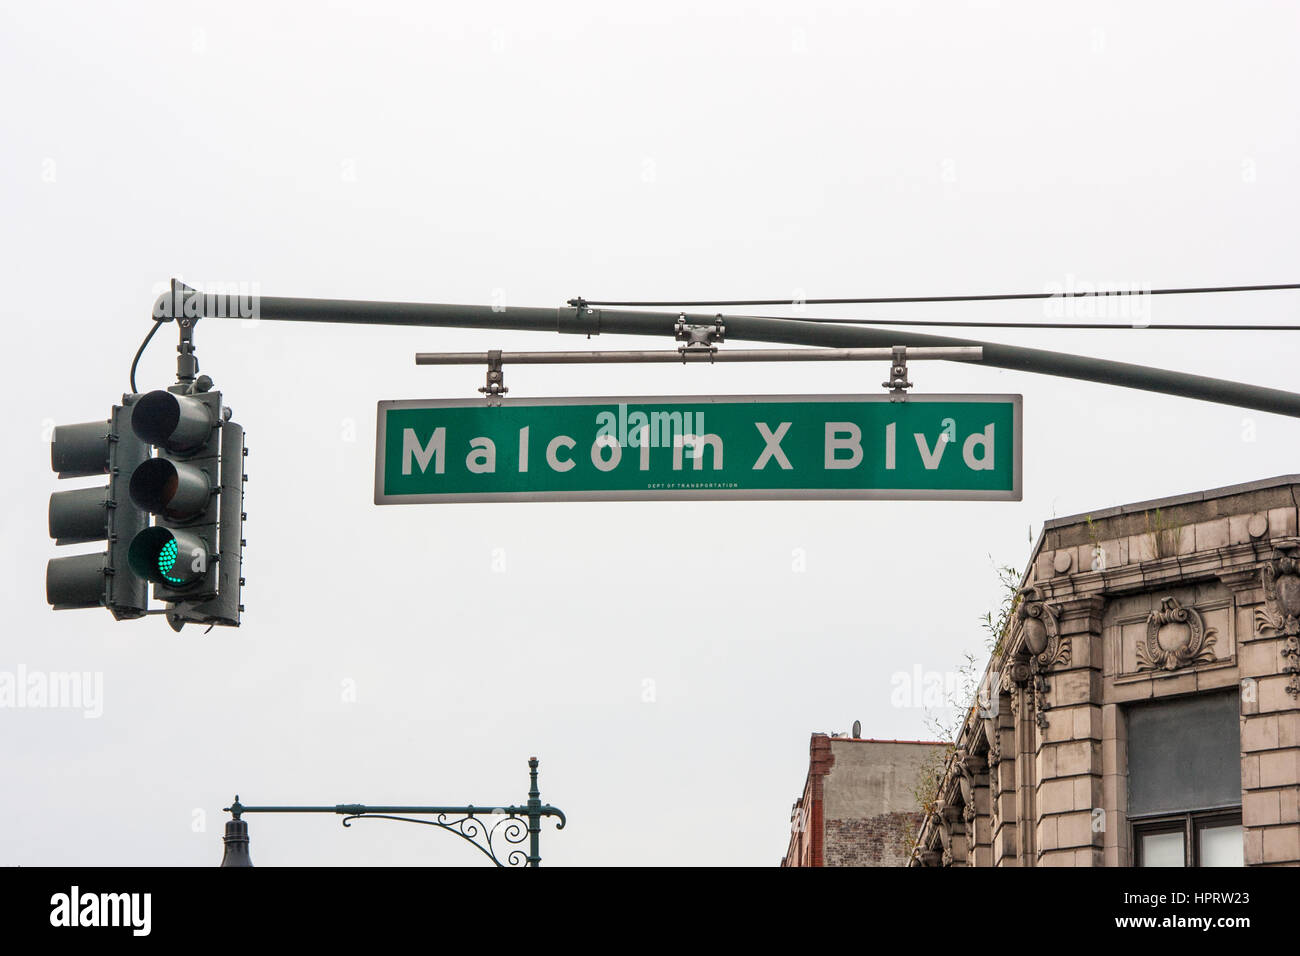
930, 777
946, 723
1164, 533
1094, 537
996, 627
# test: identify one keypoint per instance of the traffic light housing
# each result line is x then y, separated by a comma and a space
179, 488
193, 487
99, 513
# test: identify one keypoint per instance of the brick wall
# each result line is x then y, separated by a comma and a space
882, 840
859, 805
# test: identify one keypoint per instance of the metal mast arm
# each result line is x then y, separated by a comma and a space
587, 320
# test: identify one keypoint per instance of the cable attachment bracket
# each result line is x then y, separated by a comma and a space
699, 338
898, 383
495, 386
583, 320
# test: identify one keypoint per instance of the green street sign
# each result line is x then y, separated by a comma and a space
676, 448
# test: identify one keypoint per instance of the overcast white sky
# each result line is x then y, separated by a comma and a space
450, 153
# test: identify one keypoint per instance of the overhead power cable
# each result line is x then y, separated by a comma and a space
1099, 326
896, 300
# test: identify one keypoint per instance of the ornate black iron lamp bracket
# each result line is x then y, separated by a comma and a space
499, 840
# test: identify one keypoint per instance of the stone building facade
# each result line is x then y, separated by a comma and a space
1143, 707
859, 804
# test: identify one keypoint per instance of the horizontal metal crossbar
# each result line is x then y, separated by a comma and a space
698, 354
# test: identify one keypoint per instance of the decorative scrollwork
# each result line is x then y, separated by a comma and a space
1013, 678
1039, 624
1042, 643
1282, 611
928, 857
474, 830
512, 824
1014, 674
1176, 637
949, 815
945, 836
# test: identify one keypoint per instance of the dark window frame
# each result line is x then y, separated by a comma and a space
1190, 824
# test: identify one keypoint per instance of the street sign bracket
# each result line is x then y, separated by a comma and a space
703, 354
495, 386
698, 348
898, 383
699, 337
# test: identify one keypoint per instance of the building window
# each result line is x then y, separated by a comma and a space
1192, 839
1219, 840
1184, 781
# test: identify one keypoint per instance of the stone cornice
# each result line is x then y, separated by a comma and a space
1155, 573
1243, 579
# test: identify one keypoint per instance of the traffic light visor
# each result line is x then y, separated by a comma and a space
77, 451
175, 422
163, 487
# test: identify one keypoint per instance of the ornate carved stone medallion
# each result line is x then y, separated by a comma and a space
1038, 624
1044, 645
1176, 637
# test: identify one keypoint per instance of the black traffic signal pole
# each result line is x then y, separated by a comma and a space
588, 320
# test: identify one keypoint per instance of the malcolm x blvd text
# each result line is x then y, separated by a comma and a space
681, 448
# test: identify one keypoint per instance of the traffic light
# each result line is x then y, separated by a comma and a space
100, 513
194, 488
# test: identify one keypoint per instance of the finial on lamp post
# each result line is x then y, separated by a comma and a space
236, 838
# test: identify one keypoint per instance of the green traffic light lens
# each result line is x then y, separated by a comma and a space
167, 561
162, 557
